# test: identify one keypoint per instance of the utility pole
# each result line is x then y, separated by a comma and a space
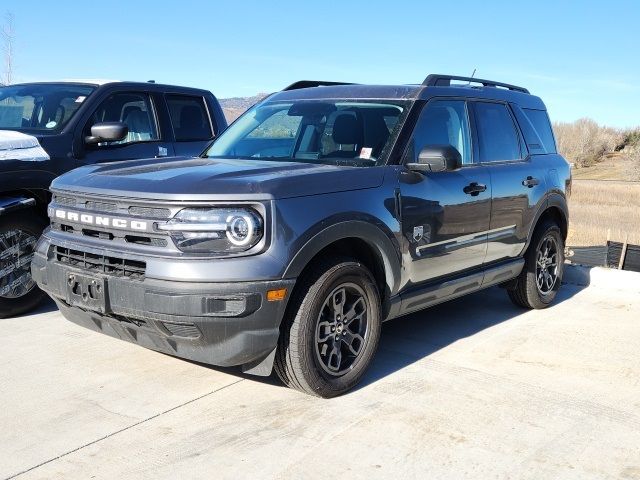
8, 36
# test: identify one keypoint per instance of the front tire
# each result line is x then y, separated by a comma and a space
331, 331
537, 285
19, 233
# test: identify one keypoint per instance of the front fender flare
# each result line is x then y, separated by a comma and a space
380, 242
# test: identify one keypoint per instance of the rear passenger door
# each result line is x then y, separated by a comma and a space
144, 140
517, 182
190, 121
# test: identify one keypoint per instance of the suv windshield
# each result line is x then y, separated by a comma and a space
40, 106
336, 132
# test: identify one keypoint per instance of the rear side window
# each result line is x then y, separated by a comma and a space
497, 136
540, 121
189, 118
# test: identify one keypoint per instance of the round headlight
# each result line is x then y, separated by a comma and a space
240, 229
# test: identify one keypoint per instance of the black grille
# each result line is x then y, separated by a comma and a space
67, 201
151, 212
151, 241
120, 267
101, 206
188, 330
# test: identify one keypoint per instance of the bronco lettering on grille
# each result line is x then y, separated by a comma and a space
98, 220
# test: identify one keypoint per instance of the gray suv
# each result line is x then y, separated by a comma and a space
323, 211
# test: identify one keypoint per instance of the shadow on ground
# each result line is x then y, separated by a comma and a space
409, 339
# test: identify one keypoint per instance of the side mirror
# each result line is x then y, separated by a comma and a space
107, 132
437, 158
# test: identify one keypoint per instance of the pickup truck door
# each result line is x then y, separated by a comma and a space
146, 137
518, 181
445, 215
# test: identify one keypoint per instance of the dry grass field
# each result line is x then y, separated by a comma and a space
596, 207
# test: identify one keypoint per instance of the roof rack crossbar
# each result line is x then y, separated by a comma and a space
437, 80
312, 83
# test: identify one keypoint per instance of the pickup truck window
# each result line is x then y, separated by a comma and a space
135, 110
44, 106
189, 118
335, 132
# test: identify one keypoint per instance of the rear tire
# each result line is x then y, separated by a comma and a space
331, 330
538, 283
19, 233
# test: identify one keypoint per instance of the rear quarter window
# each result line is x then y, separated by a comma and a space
540, 121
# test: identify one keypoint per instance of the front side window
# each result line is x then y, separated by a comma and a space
133, 109
497, 136
442, 122
189, 118
43, 107
338, 132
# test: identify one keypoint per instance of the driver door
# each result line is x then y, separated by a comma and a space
138, 112
445, 215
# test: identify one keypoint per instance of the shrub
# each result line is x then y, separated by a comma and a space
584, 142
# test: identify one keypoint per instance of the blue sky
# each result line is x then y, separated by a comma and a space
580, 57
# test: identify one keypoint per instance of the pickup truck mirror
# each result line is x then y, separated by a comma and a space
107, 132
437, 158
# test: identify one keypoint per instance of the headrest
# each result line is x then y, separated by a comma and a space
347, 130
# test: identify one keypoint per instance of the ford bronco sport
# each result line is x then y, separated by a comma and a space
50, 128
323, 211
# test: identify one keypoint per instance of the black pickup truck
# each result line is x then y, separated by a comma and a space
320, 213
47, 129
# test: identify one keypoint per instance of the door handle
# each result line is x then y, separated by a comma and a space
474, 189
530, 182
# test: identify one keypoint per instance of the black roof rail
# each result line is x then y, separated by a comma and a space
313, 83
437, 80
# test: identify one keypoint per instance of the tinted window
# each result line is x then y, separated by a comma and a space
497, 137
540, 121
133, 109
189, 118
442, 122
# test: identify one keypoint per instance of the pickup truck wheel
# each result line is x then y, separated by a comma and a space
18, 236
331, 331
538, 283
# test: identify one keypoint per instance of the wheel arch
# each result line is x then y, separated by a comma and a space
554, 208
360, 240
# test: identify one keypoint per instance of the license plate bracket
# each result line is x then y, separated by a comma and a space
87, 292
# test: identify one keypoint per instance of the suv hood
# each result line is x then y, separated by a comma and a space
186, 178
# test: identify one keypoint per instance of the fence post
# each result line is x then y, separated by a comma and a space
623, 253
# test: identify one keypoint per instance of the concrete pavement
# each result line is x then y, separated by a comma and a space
470, 389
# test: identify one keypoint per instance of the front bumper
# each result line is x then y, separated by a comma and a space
223, 324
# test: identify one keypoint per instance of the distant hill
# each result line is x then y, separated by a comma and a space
236, 106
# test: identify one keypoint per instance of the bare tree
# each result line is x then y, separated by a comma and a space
7, 34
